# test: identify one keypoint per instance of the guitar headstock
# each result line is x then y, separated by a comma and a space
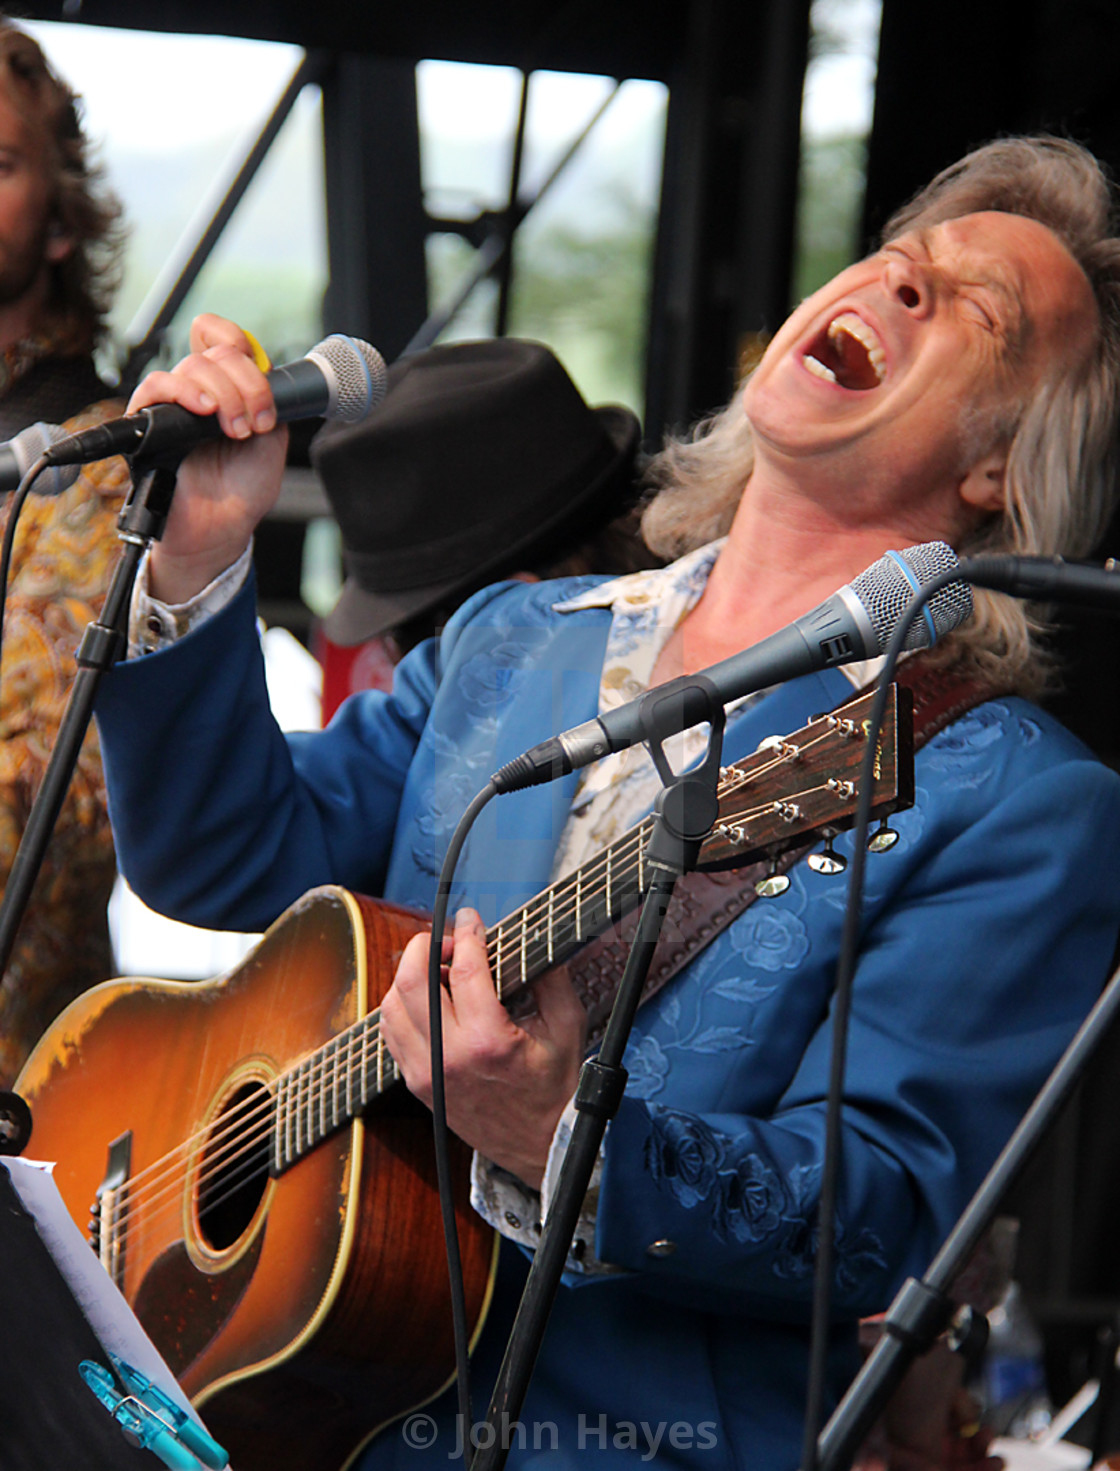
795, 789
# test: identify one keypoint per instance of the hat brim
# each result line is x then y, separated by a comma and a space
361, 614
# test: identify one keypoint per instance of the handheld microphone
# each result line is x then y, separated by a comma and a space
1047, 580
20, 453
340, 378
855, 623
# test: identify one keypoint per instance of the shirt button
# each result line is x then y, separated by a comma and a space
661, 1248
154, 624
513, 1221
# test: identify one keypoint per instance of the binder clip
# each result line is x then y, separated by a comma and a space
149, 1419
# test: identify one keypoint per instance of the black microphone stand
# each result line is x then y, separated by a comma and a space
683, 816
923, 1308
141, 521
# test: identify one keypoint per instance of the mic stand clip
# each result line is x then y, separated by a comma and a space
684, 814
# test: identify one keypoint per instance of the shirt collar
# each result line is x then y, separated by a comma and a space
687, 577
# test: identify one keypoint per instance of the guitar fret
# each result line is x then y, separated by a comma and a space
551, 907
380, 1061
293, 1117
524, 945
579, 903
609, 880
278, 1126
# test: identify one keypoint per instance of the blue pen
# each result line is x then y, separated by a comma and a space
148, 1418
204, 1446
139, 1425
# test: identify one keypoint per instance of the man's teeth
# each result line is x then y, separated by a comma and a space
818, 369
848, 324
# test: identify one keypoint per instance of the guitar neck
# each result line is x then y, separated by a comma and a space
331, 1087
328, 1089
553, 925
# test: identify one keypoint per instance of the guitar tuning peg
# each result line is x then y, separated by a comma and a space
828, 861
883, 839
772, 883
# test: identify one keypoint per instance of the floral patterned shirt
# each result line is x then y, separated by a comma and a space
63, 557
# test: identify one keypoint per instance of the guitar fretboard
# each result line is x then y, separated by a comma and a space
330, 1087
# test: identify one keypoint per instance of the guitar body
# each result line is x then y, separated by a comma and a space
300, 1312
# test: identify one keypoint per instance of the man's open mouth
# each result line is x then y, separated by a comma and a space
848, 352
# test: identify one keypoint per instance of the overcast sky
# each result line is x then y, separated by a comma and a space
152, 91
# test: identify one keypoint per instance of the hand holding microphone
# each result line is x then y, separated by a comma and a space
217, 391
341, 378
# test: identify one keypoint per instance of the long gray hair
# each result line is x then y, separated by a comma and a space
1064, 450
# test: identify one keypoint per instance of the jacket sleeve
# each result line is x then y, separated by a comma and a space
974, 972
220, 819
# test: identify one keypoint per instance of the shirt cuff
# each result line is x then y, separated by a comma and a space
153, 625
517, 1212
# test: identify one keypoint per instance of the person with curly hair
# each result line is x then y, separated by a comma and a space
60, 241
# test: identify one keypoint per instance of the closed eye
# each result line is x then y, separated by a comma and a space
980, 312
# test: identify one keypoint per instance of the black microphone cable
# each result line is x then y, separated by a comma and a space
820, 1320
19, 499
440, 1132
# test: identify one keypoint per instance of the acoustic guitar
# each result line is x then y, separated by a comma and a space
257, 1184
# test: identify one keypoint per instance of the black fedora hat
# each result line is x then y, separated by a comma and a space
481, 457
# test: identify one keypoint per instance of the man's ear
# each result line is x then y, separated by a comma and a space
982, 487
59, 243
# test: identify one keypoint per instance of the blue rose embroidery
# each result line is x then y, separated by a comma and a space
750, 1200
488, 680
682, 1153
647, 1067
771, 939
450, 794
855, 1257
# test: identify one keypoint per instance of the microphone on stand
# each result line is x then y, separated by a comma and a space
20, 453
854, 623
340, 378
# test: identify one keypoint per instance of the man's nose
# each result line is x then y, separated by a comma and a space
910, 283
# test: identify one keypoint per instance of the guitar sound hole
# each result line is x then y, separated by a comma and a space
234, 1169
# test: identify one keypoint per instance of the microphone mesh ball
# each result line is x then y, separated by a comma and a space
356, 372
885, 592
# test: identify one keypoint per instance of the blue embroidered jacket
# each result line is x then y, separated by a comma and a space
986, 935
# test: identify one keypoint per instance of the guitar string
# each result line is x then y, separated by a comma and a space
235, 1124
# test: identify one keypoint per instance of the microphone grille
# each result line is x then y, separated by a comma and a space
886, 588
34, 441
358, 375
